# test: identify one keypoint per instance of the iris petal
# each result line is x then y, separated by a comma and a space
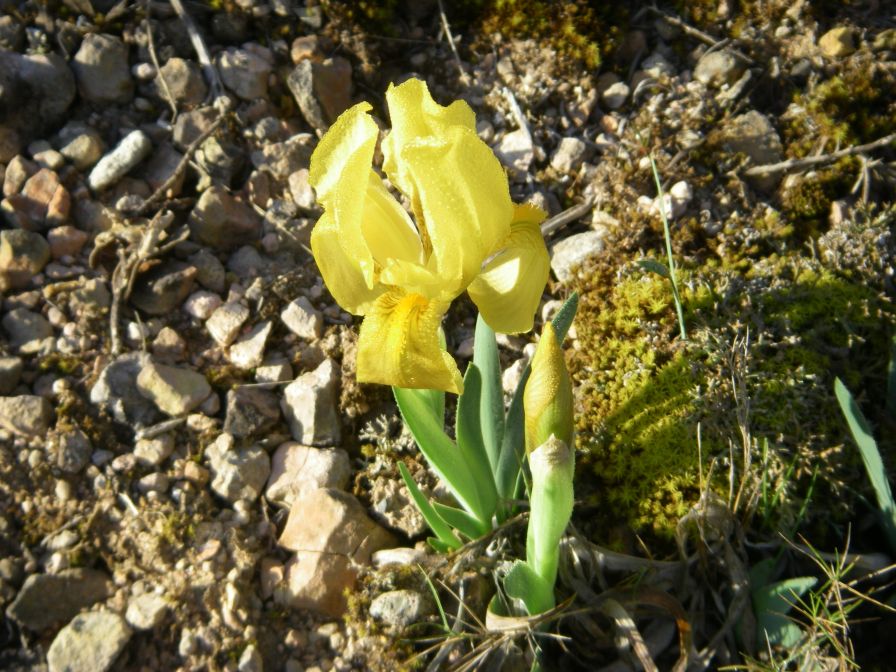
340, 174
464, 200
399, 344
340, 270
387, 227
509, 288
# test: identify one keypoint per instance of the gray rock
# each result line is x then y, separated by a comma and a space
303, 319
89, 643
46, 599
718, 68
24, 327
223, 221
184, 80
12, 33
248, 263
226, 322
754, 135
26, 414
282, 159
237, 474
10, 373
298, 469
18, 170
250, 411
164, 287
569, 155
248, 350
221, 159
515, 149
101, 68
152, 452
210, 272
133, 148
322, 90
23, 254
615, 95
244, 72
73, 450
250, 660
81, 145
309, 405
116, 392
573, 251
202, 304
90, 297
51, 83
399, 608
300, 190
161, 169
146, 611
173, 390
190, 125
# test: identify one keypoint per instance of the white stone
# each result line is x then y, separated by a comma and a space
248, 351
202, 304
225, 323
135, 147
309, 405
573, 251
615, 95
146, 611
303, 319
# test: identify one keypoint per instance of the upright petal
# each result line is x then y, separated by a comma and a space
464, 201
340, 270
340, 174
509, 288
414, 114
399, 344
387, 227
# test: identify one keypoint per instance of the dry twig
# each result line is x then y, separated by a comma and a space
155, 61
211, 73
464, 79
809, 161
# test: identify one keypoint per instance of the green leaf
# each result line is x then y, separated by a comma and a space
469, 442
513, 444
445, 535
522, 583
461, 521
441, 452
861, 432
491, 403
440, 546
772, 603
655, 266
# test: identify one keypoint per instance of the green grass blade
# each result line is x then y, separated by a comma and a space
891, 380
513, 445
461, 521
470, 444
655, 266
440, 528
491, 403
772, 603
440, 451
861, 432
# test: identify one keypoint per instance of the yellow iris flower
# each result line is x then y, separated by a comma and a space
401, 273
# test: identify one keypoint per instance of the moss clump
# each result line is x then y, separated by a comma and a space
807, 204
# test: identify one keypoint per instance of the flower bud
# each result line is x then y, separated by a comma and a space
547, 399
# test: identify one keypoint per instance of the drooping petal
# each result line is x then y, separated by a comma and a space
340, 174
464, 201
509, 288
399, 344
414, 114
387, 227
341, 271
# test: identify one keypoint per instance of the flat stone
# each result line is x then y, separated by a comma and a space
164, 287
282, 159
250, 411
322, 90
116, 391
332, 535
237, 473
303, 319
173, 390
838, 42
89, 643
126, 155
247, 351
273, 370
399, 608
184, 80
24, 328
573, 251
309, 405
210, 272
83, 149
73, 450
569, 155
10, 373
222, 221
297, 470
718, 68
244, 72
23, 254
26, 415
146, 611
152, 452
101, 68
46, 599
515, 150
225, 323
